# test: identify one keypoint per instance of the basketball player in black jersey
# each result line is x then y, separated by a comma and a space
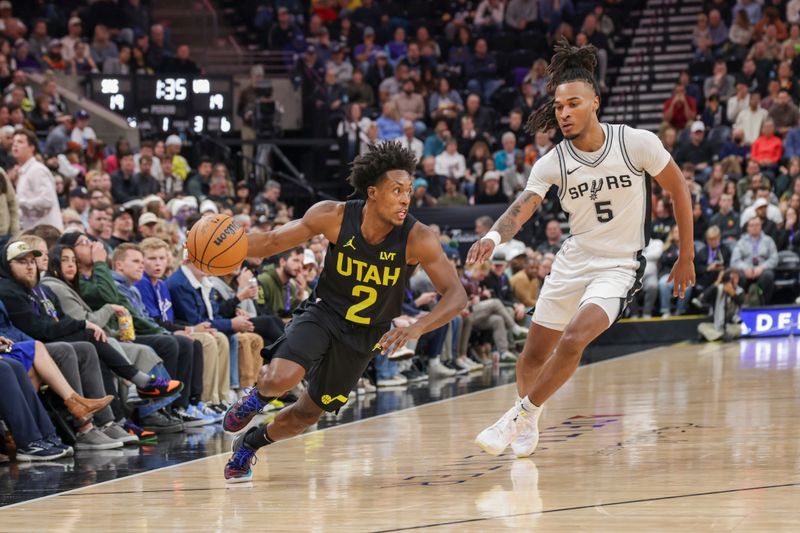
374, 246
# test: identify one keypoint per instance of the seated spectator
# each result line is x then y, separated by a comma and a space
663, 221
750, 120
697, 151
789, 234
451, 195
43, 369
450, 163
756, 257
505, 158
725, 297
53, 58
119, 65
680, 109
34, 434
352, 131
435, 142
516, 177
525, 283
720, 83
738, 102
99, 225
767, 148
389, 125
124, 187
741, 34
102, 46
279, 293
420, 196
195, 304
490, 191
481, 71
82, 62
445, 103
713, 113
711, 259
771, 215
358, 91
791, 143
784, 113
121, 227
554, 238
499, 285
726, 219
489, 16
408, 140
411, 106
198, 184
213, 367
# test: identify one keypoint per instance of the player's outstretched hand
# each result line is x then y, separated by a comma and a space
396, 338
480, 251
682, 276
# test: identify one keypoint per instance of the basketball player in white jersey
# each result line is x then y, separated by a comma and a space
601, 172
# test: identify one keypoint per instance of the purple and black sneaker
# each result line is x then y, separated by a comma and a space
238, 468
242, 412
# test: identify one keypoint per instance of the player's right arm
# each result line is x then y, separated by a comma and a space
323, 217
506, 226
545, 173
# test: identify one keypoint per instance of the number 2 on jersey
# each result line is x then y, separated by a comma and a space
372, 297
604, 214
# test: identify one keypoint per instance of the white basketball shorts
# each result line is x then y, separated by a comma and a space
577, 276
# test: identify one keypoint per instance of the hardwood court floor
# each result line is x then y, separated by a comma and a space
686, 438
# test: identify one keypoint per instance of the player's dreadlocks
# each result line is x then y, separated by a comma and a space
369, 168
569, 63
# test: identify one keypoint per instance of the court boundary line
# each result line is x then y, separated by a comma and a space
590, 506
347, 424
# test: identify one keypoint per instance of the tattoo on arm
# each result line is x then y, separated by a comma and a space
515, 216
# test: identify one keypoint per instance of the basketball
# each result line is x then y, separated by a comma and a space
217, 245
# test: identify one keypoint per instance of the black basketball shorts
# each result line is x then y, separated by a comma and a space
333, 351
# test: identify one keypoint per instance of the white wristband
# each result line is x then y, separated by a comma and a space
494, 237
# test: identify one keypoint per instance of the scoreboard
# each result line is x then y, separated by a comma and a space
197, 104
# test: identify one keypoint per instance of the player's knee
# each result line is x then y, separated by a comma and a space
571, 344
276, 379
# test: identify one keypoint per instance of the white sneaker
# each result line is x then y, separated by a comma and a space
508, 358
436, 369
519, 331
527, 440
465, 362
496, 438
395, 381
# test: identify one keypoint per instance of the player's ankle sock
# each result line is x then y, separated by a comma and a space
265, 399
257, 439
528, 406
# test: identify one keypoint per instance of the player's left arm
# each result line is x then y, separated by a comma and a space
424, 248
671, 179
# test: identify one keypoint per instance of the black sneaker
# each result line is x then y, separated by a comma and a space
453, 366
188, 420
159, 422
39, 450
54, 441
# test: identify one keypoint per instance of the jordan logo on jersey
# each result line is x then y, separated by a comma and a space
350, 243
609, 182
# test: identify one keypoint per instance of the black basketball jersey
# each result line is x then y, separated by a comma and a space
363, 283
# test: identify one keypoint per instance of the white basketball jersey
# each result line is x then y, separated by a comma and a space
606, 193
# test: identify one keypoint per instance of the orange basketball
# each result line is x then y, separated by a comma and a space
217, 245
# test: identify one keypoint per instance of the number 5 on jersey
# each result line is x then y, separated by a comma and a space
604, 213
371, 298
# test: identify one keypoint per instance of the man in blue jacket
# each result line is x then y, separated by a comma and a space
193, 302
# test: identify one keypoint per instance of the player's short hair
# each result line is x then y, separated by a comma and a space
370, 168
569, 63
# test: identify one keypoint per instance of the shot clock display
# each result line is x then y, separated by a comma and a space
197, 104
